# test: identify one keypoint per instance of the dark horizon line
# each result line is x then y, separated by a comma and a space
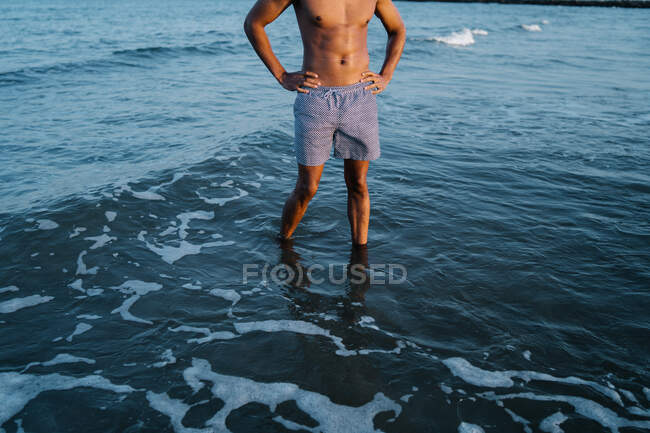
596, 3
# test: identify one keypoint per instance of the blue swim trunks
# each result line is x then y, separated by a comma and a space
343, 115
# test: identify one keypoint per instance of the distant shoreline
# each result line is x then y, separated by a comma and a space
603, 3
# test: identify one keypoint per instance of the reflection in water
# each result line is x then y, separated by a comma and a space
298, 279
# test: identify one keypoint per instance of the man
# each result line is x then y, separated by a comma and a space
336, 94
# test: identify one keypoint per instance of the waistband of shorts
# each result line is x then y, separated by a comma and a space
340, 89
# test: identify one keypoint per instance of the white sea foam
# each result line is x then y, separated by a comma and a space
89, 316
531, 27
628, 394
296, 326
587, 408
545, 22
78, 330
15, 304
143, 195
222, 201
236, 392
16, 390
167, 358
228, 295
46, 224
76, 232
191, 286
61, 358
209, 335
526, 355
462, 38
100, 241
9, 289
151, 194
479, 32
138, 289
406, 397
77, 285
494, 379
466, 427
171, 254
646, 391
110, 215
520, 420
186, 217
551, 424
82, 269
126, 314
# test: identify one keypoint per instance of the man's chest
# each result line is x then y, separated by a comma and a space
327, 13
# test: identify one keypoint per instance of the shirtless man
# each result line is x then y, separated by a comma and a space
336, 94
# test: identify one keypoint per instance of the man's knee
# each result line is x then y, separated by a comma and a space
306, 190
356, 184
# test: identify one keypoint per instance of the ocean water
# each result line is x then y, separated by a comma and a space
146, 154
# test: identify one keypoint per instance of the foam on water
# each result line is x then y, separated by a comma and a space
228, 295
186, 217
236, 392
531, 27
76, 232
296, 326
78, 330
222, 201
587, 408
171, 254
520, 420
16, 390
110, 216
100, 241
479, 32
460, 367
462, 38
9, 289
551, 424
137, 289
46, 224
166, 358
82, 269
466, 427
209, 335
15, 304
61, 358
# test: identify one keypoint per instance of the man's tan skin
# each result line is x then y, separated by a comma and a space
335, 53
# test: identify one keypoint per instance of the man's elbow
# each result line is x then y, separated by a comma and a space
251, 25
398, 32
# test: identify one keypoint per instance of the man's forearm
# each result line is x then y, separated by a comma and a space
394, 49
262, 46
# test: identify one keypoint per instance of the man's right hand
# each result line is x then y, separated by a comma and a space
298, 80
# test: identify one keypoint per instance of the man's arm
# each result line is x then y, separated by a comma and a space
392, 21
261, 14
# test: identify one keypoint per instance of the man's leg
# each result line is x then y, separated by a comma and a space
296, 205
358, 199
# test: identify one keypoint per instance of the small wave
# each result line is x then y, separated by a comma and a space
216, 47
122, 58
531, 27
462, 38
35, 73
479, 32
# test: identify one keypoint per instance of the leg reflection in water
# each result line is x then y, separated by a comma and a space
299, 282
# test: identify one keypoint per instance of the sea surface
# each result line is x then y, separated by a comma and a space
145, 155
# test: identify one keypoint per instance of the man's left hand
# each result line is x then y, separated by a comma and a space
378, 82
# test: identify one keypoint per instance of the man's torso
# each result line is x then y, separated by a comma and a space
334, 35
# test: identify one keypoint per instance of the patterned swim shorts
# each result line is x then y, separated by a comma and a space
344, 115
